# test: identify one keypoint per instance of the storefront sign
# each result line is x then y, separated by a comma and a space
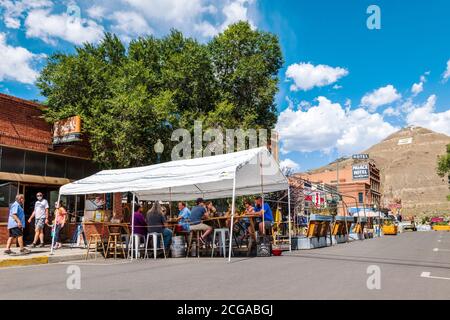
360, 171
360, 156
67, 130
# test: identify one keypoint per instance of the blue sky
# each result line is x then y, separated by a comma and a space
343, 87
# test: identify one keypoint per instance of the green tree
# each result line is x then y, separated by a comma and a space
443, 166
246, 63
128, 97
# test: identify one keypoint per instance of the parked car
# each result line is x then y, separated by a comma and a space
408, 225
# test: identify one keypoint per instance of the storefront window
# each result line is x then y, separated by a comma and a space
8, 191
56, 166
12, 160
35, 163
74, 169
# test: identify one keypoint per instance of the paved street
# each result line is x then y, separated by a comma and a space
411, 268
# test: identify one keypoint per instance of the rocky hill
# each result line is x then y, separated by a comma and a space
407, 162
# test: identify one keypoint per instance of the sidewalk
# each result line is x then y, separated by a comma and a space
40, 256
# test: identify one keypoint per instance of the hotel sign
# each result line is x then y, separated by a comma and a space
360, 171
360, 156
67, 130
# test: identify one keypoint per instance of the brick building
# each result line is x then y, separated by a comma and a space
359, 182
31, 162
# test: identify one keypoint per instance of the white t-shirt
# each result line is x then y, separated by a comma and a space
39, 208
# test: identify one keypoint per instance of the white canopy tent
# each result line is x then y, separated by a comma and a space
246, 172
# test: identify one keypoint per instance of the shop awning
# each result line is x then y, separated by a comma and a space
361, 212
208, 177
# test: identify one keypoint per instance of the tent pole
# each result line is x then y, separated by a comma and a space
289, 218
262, 193
232, 216
132, 226
54, 228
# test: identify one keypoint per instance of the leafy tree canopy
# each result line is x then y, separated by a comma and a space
128, 97
443, 165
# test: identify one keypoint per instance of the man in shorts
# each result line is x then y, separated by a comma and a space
40, 215
16, 223
198, 213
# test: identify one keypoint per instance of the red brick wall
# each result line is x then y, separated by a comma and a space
117, 206
22, 125
3, 233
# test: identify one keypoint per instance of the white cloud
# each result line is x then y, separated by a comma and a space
307, 76
41, 23
16, 63
14, 11
289, 164
446, 74
417, 88
129, 25
380, 97
327, 126
425, 116
391, 112
233, 11
196, 18
96, 12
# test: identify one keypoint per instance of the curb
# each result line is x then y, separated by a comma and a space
23, 262
5, 263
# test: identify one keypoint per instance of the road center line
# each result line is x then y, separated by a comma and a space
437, 249
429, 276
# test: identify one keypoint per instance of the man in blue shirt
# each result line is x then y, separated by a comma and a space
183, 216
16, 224
266, 211
197, 214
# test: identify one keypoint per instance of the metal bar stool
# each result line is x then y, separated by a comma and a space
222, 240
154, 237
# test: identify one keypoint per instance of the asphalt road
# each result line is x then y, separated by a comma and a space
409, 265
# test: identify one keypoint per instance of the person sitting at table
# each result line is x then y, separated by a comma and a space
197, 214
157, 223
266, 212
210, 209
140, 224
184, 215
248, 211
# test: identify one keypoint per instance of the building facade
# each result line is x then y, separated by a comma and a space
357, 181
31, 162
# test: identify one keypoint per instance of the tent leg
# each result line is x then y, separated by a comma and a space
132, 226
232, 217
289, 218
54, 228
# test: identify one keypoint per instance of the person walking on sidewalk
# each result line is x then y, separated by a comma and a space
60, 221
16, 223
40, 215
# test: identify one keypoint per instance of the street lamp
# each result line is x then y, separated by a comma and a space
159, 148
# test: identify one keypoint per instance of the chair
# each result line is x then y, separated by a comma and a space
115, 241
222, 240
96, 240
134, 246
154, 237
